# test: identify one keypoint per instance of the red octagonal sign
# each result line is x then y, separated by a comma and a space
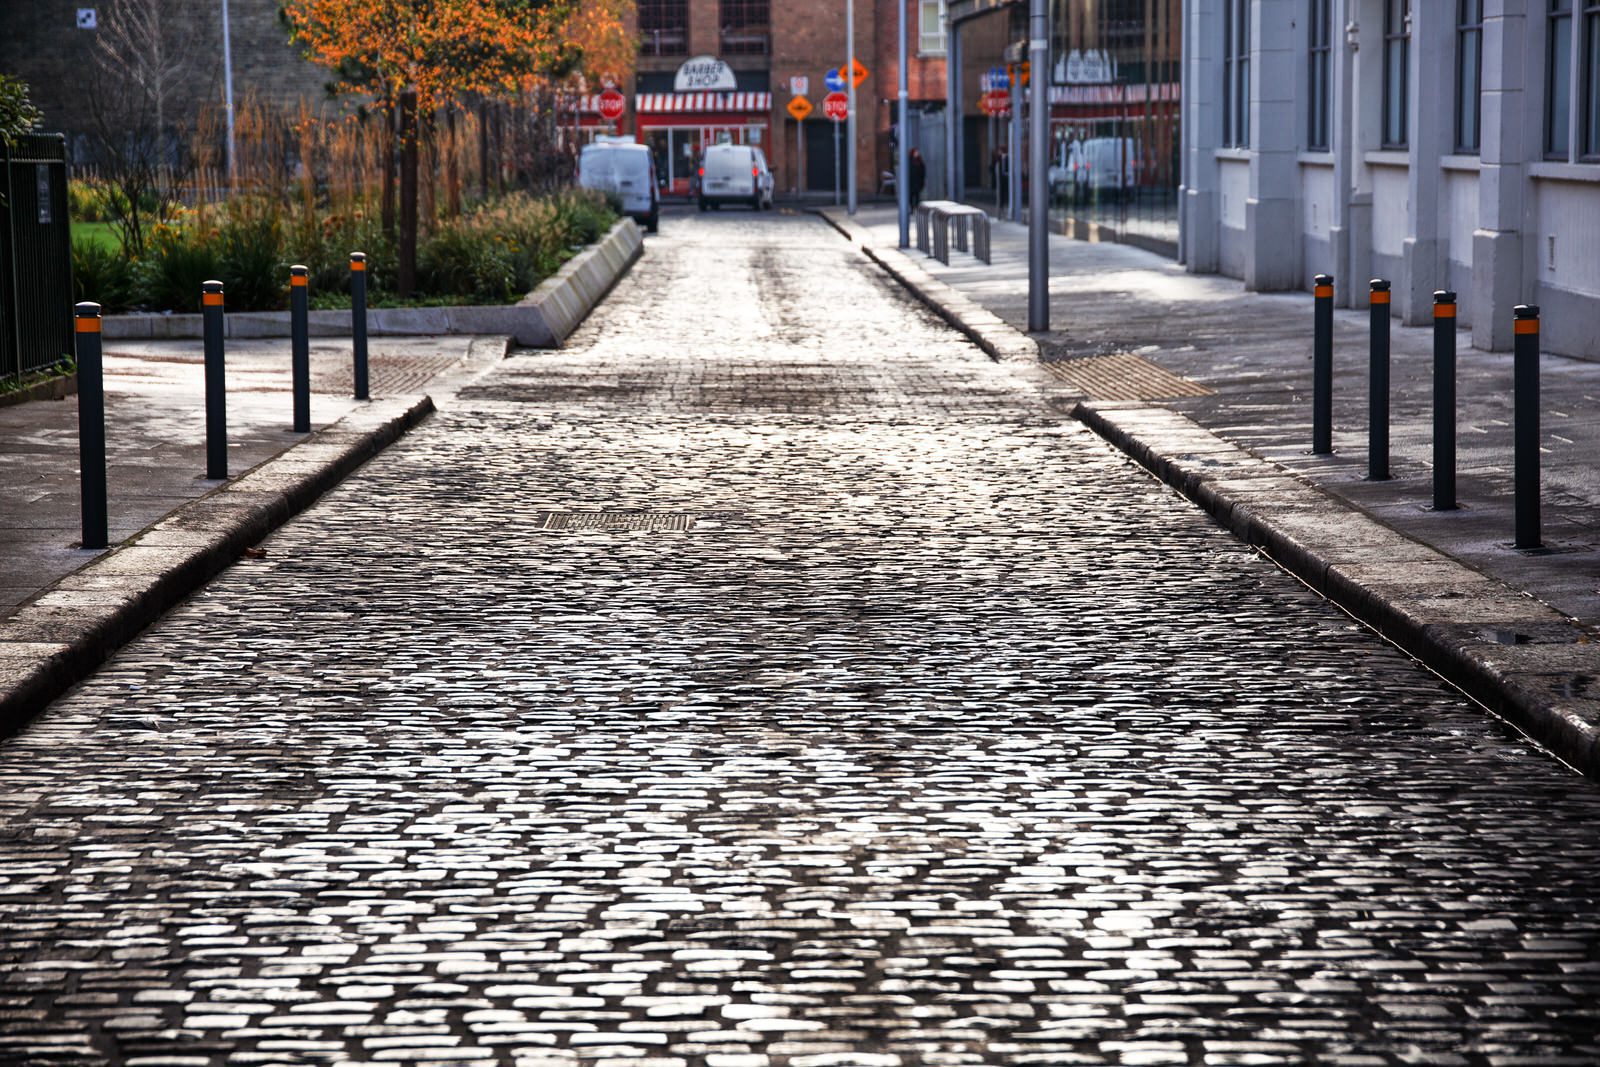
836, 106
612, 104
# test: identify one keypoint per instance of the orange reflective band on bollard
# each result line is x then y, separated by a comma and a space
298, 280
1323, 290
1379, 297
1526, 326
1444, 311
87, 325
211, 300
357, 265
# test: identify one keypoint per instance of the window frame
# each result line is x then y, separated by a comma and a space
1557, 12
1469, 35
1588, 46
1236, 73
1396, 39
1319, 66
661, 10
744, 27
938, 35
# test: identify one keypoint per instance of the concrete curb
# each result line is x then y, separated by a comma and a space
57, 388
1519, 657
62, 635
983, 328
544, 318
1512, 653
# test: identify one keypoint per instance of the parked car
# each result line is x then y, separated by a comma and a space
735, 174
1091, 166
626, 170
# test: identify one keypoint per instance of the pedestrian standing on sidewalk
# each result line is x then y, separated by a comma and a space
919, 175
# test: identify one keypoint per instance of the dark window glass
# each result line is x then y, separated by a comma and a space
1591, 81
663, 27
1396, 71
1558, 92
746, 27
1229, 60
1469, 68
1320, 53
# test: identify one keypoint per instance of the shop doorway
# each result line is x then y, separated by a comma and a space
677, 150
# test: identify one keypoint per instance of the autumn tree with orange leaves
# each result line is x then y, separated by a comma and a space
412, 57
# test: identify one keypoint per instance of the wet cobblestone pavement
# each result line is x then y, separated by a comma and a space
769, 679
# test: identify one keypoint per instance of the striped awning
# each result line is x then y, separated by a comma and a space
658, 103
1136, 93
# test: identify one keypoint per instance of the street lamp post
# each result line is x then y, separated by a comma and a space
1038, 164
849, 73
227, 86
902, 171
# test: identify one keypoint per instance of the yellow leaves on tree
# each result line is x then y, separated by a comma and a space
440, 49
597, 30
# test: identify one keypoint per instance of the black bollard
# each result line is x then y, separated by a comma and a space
1525, 423
358, 319
91, 426
300, 346
1444, 400
1378, 385
1322, 367
216, 384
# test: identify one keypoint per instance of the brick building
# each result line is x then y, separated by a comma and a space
723, 70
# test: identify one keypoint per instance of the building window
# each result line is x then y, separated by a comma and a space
1591, 80
930, 20
1236, 73
746, 27
663, 27
1396, 71
1558, 91
1469, 68
1321, 52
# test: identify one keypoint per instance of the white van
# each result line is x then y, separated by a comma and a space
628, 170
1093, 166
735, 174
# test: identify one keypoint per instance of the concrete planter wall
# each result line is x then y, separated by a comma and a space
544, 318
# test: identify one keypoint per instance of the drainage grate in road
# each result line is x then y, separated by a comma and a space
1123, 376
627, 520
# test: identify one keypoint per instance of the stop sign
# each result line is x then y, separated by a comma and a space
836, 106
611, 105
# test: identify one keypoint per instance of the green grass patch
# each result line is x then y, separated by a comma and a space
100, 234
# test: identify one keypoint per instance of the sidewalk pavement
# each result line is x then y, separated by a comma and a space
1209, 386
63, 609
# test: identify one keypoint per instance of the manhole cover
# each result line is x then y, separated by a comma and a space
627, 520
1123, 376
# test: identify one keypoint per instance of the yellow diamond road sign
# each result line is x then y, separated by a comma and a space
799, 107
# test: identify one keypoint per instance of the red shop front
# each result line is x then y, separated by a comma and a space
679, 126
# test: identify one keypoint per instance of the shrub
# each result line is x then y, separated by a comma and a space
176, 261
467, 261
103, 274
250, 263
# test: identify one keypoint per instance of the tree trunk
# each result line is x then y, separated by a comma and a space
390, 117
408, 194
483, 151
452, 166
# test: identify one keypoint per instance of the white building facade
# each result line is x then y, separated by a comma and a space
1441, 144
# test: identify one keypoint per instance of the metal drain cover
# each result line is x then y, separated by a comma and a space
627, 520
1123, 376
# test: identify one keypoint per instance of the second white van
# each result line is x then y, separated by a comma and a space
735, 174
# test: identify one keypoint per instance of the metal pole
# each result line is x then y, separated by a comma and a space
902, 163
300, 346
358, 320
800, 157
952, 80
850, 90
216, 386
1525, 423
1378, 383
1038, 166
837, 194
1322, 366
227, 86
1015, 145
1444, 400
91, 426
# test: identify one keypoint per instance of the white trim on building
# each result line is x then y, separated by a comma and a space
1399, 190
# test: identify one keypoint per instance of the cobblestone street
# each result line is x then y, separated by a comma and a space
769, 679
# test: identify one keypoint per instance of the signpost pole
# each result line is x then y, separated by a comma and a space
836, 187
1016, 146
800, 157
849, 72
1038, 165
902, 163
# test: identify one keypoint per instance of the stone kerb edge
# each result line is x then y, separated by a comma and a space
60, 636
1510, 680
544, 318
